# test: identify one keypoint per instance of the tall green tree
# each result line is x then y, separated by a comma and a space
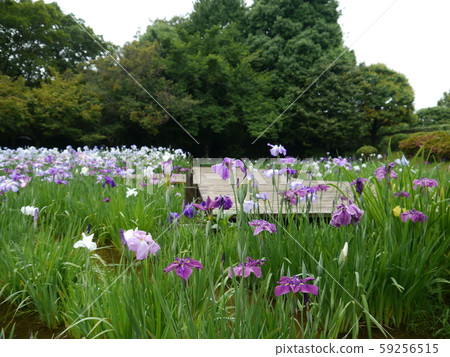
15, 117
65, 111
386, 99
327, 117
445, 100
215, 67
291, 35
130, 112
35, 36
437, 117
210, 13
297, 41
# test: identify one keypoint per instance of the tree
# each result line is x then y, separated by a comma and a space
15, 118
129, 112
65, 111
445, 100
297, 41
437, 117
210, 13
35, 36
216, 69
291, 35
327, 117
386, 99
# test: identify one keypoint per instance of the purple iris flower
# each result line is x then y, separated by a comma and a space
106, 199
288, 171
173, 216
415, 216
320, 188
49, 158
188, 210
262, 196
359, 184
206, 206
52, 171
345, 215
23, 181
224, 202
223, 169
425, 182
108, 181
270, 172
339, 161
122, 237
287, 160
384, 171
402, 194
59, 181
9, 185
277, 149
183, 267
15, 176
290, 196
262, 225
295, 284
251, 266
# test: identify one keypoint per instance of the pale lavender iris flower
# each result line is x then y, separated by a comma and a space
385, 171
277, 150
223, 169
262, 225
139, 242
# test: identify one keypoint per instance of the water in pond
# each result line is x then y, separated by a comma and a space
26, 324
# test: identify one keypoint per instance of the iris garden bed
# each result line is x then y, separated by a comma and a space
377, 267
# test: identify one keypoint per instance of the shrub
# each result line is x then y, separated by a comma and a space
436, 144
366, 150
394, 141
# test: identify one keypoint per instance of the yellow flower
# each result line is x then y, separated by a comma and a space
397, 211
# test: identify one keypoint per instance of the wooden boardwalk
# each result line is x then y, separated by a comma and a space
210, 184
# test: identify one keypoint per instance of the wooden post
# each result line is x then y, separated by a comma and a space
190, 191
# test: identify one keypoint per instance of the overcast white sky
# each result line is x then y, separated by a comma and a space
412, 37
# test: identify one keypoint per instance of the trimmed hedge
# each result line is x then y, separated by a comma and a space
436, 144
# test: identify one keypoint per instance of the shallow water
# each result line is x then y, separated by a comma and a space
26, 324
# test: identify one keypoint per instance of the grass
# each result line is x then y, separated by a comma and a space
392, 272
